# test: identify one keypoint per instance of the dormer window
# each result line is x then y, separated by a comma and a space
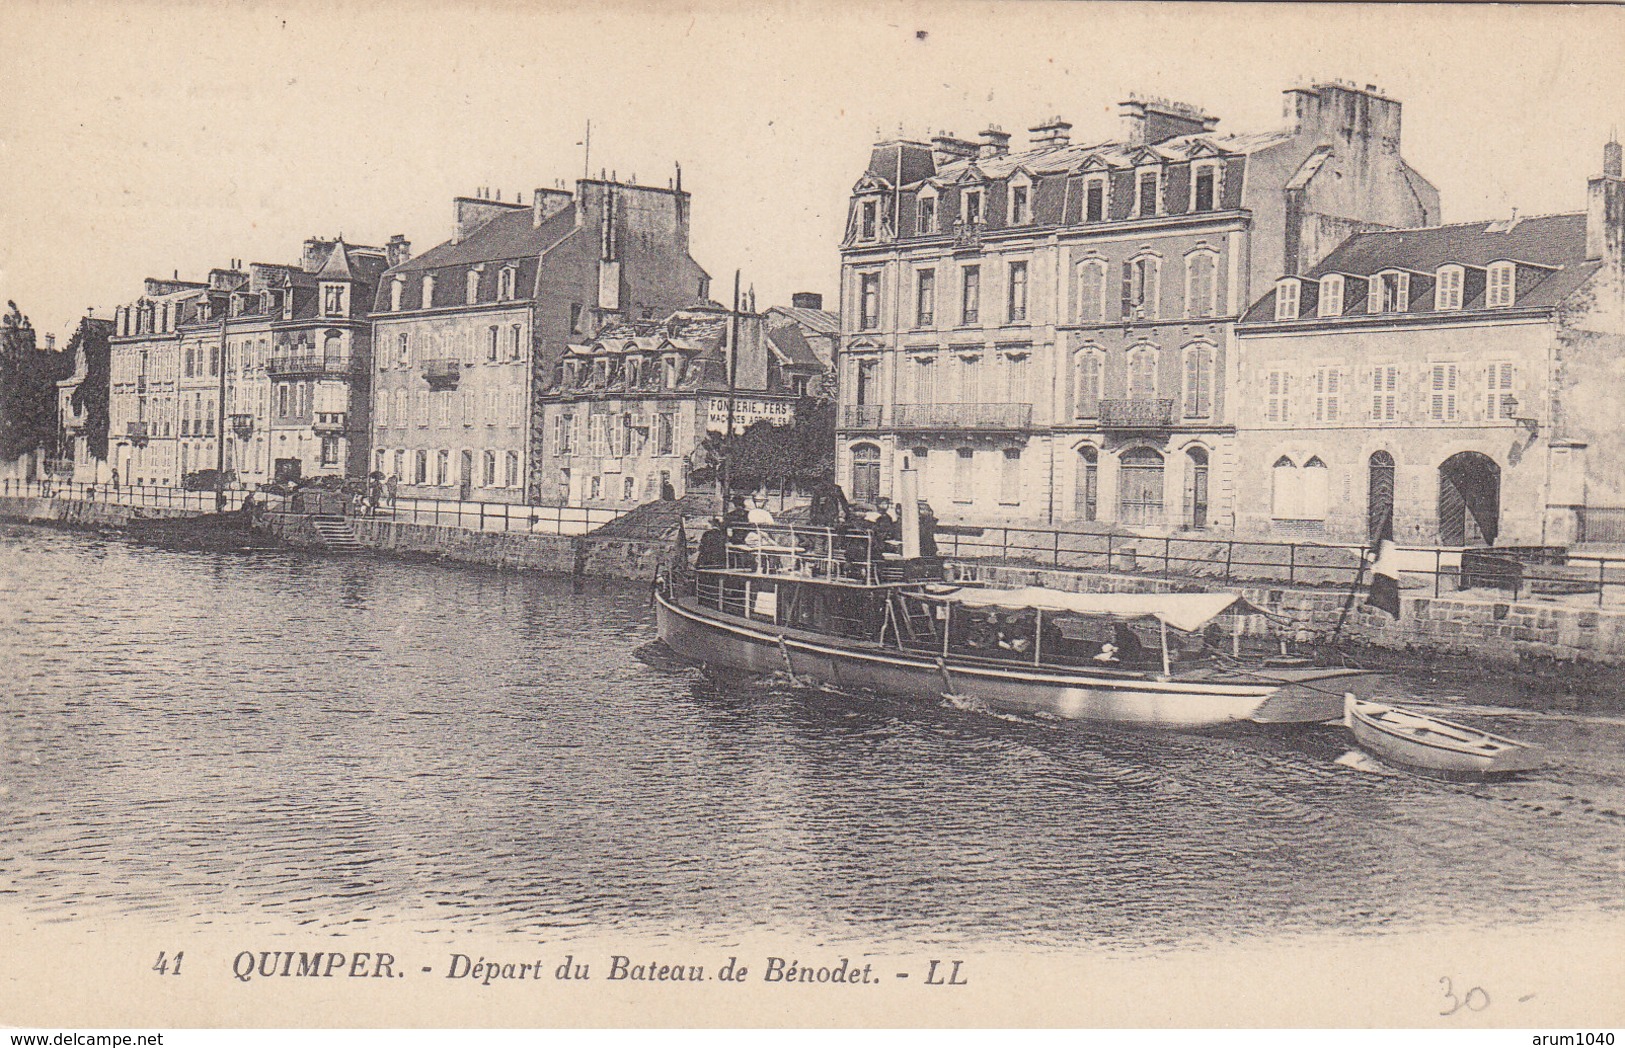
871, 219
634, 372
1020, 203
1331, 295
970, 207
1447, 288
668, 375
1094, 198
1147, 186
428, 291
1391, 292
1205, 187
925, 213
505, 283
1501, 289
1286, 299
333, 300
473, 286
397, 287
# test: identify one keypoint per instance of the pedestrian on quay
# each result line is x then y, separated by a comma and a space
389, 488
115, 478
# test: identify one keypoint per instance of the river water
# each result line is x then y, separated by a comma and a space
339, 743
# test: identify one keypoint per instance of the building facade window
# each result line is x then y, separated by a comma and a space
965, 475
970, 207
1201, 284
1142, 372
1088, 367
1502, 284
1204, 187
1010, 477
1020, 203
512, 470
925, 217
1094, 199
1447, 287
397, 287
865, 473
1328, 394
1017, 300
925, 298
428, 291
1286, 300
1147, 186
970, 298
505, 283
868, 301
1139, 291
1442, 392
333, 300
1092, 291
1392, 293
1278, 399
420, 468
1385, 393
1199, 381
1331, 296
472, 287
1499, 401
492, 335
870, 211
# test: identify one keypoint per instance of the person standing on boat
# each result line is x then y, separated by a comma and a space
713, 552
737, 520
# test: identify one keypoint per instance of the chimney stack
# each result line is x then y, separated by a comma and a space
1147, 121
1605, 211
546, 202
397, 251
946, 149
1052, 132
995, 142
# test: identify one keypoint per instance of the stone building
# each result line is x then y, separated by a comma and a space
471, 331
1046, 335
143, 409
627, 412
1460, 381
260, 371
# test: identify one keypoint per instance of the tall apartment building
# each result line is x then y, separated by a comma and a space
1460, 384
470, 332
1046, 335
260, 371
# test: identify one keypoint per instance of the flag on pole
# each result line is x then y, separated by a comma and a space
1384, 591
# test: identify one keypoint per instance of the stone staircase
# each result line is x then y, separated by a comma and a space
336, 533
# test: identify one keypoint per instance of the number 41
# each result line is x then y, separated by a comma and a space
164, 966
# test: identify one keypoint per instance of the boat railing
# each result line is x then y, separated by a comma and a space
855, 554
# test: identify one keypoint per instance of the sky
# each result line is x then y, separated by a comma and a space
141, 137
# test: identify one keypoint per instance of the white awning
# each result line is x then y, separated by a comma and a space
1182, 611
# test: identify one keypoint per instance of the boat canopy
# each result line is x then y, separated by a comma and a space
1182, 611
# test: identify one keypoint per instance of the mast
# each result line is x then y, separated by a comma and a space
220, 424
733, 370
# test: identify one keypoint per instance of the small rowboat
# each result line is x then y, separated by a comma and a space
1436, 747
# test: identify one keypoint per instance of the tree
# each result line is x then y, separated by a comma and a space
764, 454
28, 381
91, 396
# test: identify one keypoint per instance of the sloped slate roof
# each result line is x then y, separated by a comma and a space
1054, 159
507, 236
793, 348
820, 320
1557, 241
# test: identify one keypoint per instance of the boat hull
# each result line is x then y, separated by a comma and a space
712, 640
1448, 750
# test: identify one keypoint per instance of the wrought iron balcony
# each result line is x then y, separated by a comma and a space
442, 374
968, 235
1136, 414
862, 416
329, 422
242, 423
950, 417
291, 365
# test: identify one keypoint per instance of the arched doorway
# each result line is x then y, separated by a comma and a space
865, 473
1196, 488
1469, 500
1379, 495
1088, 506
1139, 487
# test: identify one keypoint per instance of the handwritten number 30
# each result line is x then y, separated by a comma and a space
1476, 999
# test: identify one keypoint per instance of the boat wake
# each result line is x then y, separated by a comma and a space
1361, 761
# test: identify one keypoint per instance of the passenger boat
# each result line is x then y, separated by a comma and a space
827, 606
1439, 747
229, 531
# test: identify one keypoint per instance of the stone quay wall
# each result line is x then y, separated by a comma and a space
1529, 633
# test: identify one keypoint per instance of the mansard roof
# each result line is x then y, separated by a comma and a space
1053, 159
